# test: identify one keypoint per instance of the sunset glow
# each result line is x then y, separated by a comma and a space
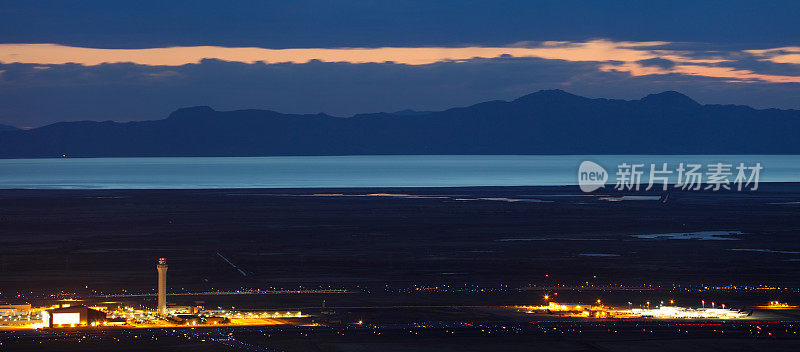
615, 56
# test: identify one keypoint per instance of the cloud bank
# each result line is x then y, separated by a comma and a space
46, 83
628, 57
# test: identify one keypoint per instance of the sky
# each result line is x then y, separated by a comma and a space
124, 61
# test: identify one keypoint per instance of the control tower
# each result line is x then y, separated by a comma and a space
162, 286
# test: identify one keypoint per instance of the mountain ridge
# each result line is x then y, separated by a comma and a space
543, 122
7, 128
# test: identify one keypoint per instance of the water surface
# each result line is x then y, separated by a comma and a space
345, 171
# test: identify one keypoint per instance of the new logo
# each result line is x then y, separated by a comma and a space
591, 176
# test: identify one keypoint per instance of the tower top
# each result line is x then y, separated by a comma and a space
162, 261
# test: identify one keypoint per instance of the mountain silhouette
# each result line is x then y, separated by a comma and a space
545, 122
7, 128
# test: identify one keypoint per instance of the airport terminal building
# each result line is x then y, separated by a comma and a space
75, 316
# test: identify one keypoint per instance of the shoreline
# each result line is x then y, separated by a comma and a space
770, 186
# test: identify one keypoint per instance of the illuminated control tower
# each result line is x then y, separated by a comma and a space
162, 286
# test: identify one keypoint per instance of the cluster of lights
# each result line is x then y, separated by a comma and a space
661, 312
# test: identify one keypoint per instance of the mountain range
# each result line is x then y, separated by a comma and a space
7, 128
545, 122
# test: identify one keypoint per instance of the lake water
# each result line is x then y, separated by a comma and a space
348, 171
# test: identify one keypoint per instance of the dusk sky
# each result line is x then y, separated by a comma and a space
62, 61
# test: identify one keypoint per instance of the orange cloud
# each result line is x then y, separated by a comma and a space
55, 54
785, 55
613, 56
732, 74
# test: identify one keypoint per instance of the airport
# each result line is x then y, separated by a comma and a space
72, 312
229, 269
76, 312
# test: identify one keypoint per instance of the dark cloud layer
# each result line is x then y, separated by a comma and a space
319, 23
698, 33
32, 95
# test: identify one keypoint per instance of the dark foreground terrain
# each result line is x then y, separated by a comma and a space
442, 258
110, 239
546, 337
